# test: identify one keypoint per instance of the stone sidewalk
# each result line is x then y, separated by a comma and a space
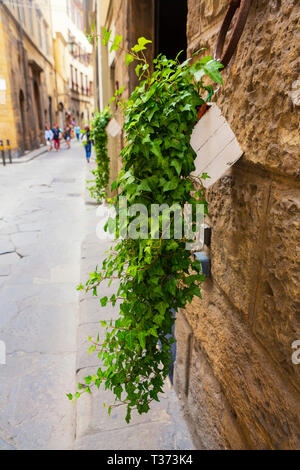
163, 428
41, 231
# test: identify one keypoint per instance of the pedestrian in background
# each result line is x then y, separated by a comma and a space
87, 142
56, 137
48, 137
77, 132
67, 136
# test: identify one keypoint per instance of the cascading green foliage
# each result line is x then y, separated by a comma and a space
100, 184
156, 275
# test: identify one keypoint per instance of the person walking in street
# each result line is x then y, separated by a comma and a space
67, 136
87, 142
56, 137
77, 132
48, 137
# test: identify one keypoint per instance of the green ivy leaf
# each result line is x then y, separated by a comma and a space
140, 46
212, 69
116, 43
114, 185
171, 185
128, 59
104, 301
144, 186
162, 307
141, 338
128, 415
177, 165
106, 36
157, 276
137, 69
111, 225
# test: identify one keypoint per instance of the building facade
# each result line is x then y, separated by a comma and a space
27, 75
162, 22
73, 59
234, 371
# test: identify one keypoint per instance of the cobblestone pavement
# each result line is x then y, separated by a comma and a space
41, 208
163, 428
47, 231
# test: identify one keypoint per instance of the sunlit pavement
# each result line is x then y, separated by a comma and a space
163, 427
41, 230
48, 244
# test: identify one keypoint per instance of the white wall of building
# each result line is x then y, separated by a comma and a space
62, 23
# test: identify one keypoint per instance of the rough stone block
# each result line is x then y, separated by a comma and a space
237, 208
255, 92
213, 420
265, 405
277, 315
183, 335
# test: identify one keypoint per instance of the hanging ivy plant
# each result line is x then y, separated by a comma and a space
156, 275
100, 184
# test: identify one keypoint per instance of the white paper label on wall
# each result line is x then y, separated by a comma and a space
215, 144
113, 128
2, 84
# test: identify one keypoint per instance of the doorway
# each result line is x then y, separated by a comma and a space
170, 37
50, 112
37, 103
170, 28
22, 116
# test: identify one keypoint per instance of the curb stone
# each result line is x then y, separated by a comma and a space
27, 158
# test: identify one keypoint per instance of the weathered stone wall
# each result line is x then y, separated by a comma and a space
117, 77
234, 370
20, 68
130, 19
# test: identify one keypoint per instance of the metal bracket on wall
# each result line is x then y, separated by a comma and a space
205, 262
207, 235
243, 6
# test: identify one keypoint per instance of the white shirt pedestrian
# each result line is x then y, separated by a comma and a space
49, 138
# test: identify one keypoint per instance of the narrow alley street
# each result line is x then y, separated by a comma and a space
149, 269
41, 221
48, 244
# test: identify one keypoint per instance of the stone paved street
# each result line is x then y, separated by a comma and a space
47, 245
41, 207
163, 428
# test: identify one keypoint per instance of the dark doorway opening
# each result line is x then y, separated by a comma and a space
170, 28
23, 146
50, 113
37, 103
22, 115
